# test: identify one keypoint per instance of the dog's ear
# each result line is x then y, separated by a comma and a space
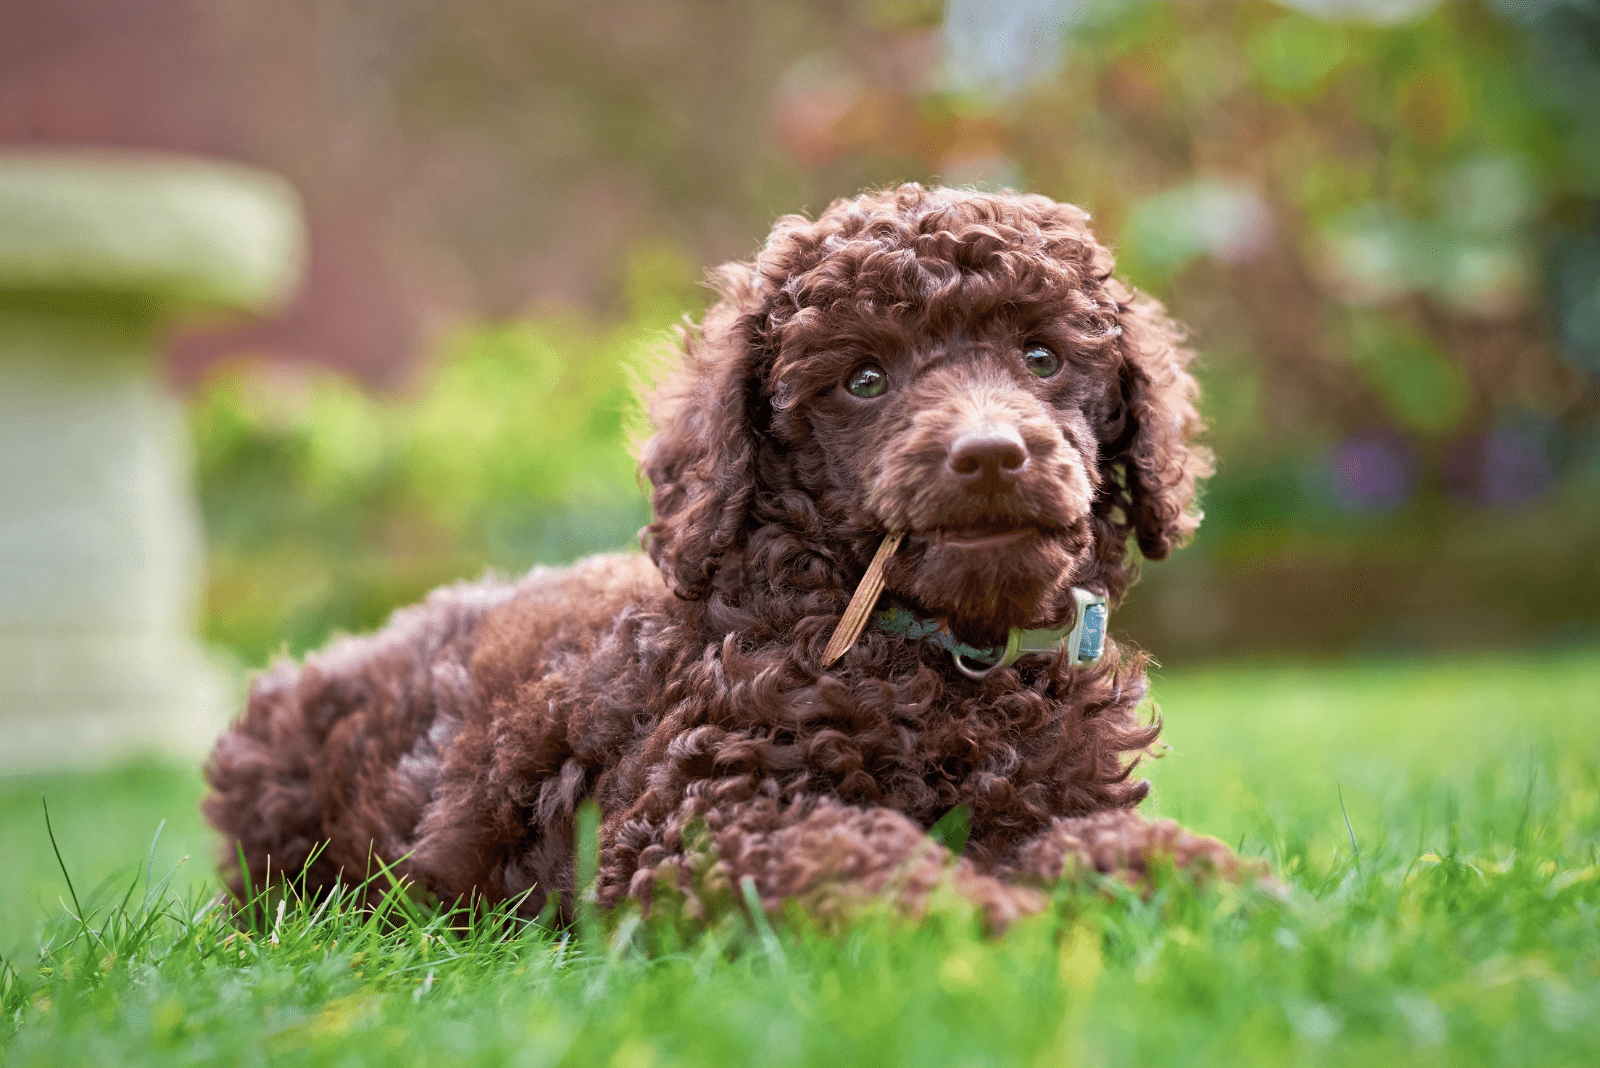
1152, 461
701, 460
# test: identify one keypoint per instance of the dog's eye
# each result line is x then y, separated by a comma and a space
868, 381
1041, 361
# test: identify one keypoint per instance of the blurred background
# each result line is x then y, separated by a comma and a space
1380, 219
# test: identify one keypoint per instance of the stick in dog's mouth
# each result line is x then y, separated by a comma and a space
861, 602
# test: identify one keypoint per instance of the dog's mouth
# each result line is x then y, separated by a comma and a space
986, 535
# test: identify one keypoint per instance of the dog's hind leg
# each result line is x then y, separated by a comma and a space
333, 762
263, 797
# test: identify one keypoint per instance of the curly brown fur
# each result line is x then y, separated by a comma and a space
683, 690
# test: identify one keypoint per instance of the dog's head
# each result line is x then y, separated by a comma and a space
956, 365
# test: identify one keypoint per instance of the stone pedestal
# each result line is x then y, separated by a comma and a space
101, 551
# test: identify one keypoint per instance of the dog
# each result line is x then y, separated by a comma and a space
939, 394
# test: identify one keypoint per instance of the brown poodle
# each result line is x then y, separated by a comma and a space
946, 382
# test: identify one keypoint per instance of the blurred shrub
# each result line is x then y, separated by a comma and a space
327, 505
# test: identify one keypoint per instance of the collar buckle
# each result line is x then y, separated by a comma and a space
1084, 640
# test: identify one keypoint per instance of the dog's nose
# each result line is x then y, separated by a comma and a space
988, 459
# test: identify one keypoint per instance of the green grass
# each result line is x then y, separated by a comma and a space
1435, 825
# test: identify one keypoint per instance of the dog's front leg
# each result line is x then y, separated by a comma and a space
1121, 843
833, 860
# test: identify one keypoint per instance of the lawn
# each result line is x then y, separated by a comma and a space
1435, 825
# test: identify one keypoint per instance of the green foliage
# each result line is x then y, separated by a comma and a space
1422, 390
1292, 55
1454, 919
326, 505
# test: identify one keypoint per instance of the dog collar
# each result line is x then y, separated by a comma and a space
1084, 639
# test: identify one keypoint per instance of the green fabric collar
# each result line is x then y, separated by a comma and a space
1084, 639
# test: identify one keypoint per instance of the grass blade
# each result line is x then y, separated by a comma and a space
764, 931
951, 829
49, 830
1355, 849
588, 863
